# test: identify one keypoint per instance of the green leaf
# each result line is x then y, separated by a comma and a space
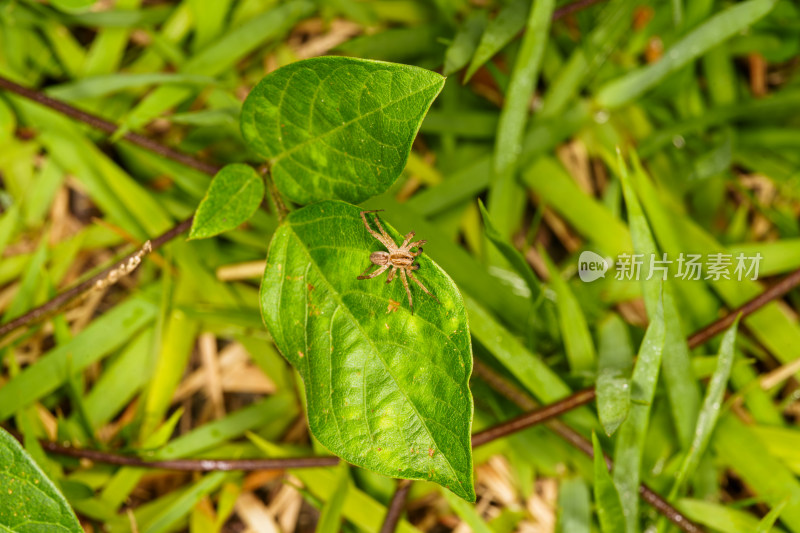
504, 191
574, 507
606, 497
337, 127
467, 513
614, 363
30, 501
501, 29
633, 431
233, 196
578, 343
387, 390
712, 404
513, 256
682, 390
706, 36
97, 86
73, 5
738, 447
719, 517
330, 519
766, 524
464, 43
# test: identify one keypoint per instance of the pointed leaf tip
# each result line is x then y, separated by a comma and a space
337, 127
387, 390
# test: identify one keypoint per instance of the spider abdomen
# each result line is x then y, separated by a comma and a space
379, 258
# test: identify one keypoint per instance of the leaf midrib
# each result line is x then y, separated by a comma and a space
342, 305
276, 159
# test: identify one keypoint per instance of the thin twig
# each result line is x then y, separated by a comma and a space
190, 465
396, 506
60, 300
519, 397
533, 417
574, 7
106, 126
536, 416
778, 290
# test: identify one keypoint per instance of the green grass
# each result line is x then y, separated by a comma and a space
671, 128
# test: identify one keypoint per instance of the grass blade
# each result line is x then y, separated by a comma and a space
331, 516
633, 431
574, 329
606, 497
706, 36
503, 190
574, 510
712, 404
681, 387
614, 363
508, 22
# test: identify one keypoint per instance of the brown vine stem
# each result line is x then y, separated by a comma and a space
535, 416
189, 465
106, 126
573, 7
94, 121
519, 397
396, 506
103, 277
773, 292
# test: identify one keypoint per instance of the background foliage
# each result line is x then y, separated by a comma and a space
174, 362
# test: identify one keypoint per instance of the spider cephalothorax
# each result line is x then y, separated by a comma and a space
398, 258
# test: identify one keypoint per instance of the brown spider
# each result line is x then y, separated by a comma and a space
397, 258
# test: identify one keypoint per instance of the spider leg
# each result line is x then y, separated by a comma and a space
392, 272
418, 246
418, 282
378, 271
382, 238
385, 235
407, 239
408, 289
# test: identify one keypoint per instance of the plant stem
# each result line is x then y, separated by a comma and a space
396, 506
62, 299
106, 126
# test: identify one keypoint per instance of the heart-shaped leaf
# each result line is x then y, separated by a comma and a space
29, 502
233, 196
387, 390
337, 127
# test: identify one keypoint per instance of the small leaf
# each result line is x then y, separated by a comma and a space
337, 127
233, 196
29, 501
614, 363
387, 390
609, 507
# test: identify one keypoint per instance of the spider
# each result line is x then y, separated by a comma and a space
397, 258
